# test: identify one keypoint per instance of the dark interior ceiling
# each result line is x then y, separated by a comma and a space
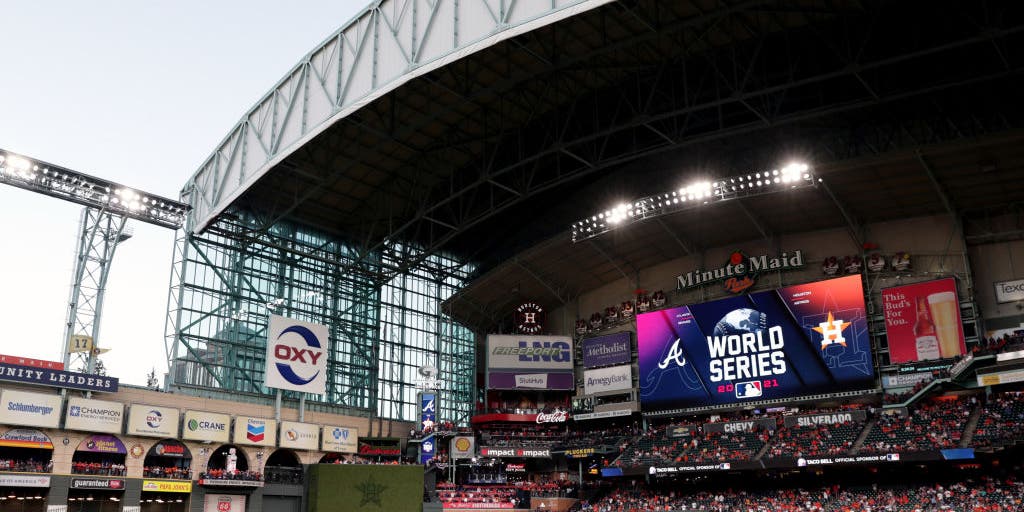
903, 108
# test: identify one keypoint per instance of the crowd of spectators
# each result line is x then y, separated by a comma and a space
223, 474
609, 435
987, 495
898, 398
525, 435
26, 465
98, 468
815, 440
931, 426
452, 496
548, 488
1001, 421
167, 472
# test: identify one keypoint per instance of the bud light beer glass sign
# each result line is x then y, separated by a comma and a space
799, 340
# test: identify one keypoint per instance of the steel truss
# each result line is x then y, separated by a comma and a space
225, 282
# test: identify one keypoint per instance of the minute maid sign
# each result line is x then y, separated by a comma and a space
296, 355
740, 271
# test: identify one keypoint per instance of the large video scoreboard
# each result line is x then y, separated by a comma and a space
794, 341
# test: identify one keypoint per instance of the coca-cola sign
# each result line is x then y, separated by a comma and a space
554, 417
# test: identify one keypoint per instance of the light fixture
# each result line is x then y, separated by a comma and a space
691, 195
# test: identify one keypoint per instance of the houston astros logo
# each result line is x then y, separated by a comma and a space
305, 357
831, 331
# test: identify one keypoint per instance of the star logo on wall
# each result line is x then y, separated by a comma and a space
372, 492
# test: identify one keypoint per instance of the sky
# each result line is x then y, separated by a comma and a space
139, 93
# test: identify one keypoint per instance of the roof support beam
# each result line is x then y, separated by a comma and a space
958, 228
686, 246
853, 227
766, 234
546, 283
602, 252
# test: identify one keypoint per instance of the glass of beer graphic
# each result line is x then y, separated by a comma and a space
943, 307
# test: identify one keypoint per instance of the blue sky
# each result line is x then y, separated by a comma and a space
139, 93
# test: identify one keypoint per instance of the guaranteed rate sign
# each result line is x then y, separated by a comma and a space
798, 340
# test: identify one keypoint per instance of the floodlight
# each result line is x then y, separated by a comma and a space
793, 175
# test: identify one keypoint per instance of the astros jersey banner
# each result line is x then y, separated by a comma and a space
296, 355
804, 339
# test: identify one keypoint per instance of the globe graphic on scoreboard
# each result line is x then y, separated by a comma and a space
739, 321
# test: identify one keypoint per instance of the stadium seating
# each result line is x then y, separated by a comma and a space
816, 440
1001, 422
931, 426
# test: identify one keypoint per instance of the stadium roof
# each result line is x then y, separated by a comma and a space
484, 130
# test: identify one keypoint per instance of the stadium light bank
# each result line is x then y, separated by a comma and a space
792, 176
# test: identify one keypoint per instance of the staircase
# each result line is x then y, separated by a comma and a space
972, 426
859, 443
924, 391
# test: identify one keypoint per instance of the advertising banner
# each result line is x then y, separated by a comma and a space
831, 418
296, 358
994, 379
254, 431
798, 340
166, 486
679, 431
301, 436
380, 446
224, 503
859, 459
94, 415
25, 438
905, 380
510, 380
28, 361
602, 414
24, 481
206, 426
29, 409
607, 350
615, 378
463, 447
428, 448
102, 444
56, 378
428, 411
1009, 291
170, 448
98, 484
339, 439
152, 421
922, 321
515, 452
529, 353
741, 426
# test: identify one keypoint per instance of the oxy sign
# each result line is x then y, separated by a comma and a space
296, 355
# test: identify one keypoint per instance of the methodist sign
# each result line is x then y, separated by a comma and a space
799, 340
529, 362
56, 378
296, 356
29, 409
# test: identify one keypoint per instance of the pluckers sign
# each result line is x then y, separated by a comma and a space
740, 271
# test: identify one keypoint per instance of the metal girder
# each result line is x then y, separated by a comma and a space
853, 227
388, 44
632, 280
546, 283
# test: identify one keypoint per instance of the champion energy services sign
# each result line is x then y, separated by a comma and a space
296, 357
94, 415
